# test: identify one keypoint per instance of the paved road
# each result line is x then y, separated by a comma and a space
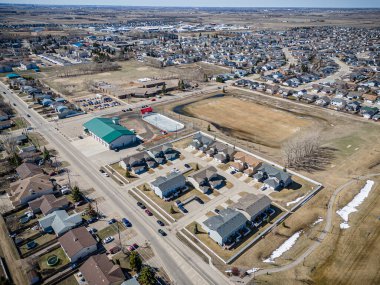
180, 262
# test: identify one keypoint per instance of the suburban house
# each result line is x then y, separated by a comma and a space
48, 204
163, 153
100, 270
201, 142
60, 222
224, 154
138, 163
166, 187
26, 170
225, 227
206, 179
246, 163
6, 124
23, 191
78, 243
272, 177
109, 132
251, 205
338, 103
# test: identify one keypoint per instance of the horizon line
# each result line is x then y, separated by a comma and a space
165, 6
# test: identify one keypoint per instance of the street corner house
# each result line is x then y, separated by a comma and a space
109, 132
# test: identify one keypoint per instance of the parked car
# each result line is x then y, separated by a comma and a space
28, 115
92, 230
161, 223
101, 171
216, 211
112, 221
126, 222
153, 99
162, 232
81, 137
149, 213
133, 247
141, 205
14, 104
263, 188
187, 166
80, 203
233, 172
92, 220
105, 174
108, 239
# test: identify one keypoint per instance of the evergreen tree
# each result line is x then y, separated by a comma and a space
76, 194
147, 276
135, 261
46, 154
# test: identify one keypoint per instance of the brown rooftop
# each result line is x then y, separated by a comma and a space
75, 240
99, 270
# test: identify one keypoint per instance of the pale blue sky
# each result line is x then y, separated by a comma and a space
214, 3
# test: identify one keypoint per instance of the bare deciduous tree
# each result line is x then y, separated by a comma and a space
302, 150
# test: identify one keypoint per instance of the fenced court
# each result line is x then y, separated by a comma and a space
162, 122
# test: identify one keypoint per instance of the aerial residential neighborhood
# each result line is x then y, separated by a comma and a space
189, 143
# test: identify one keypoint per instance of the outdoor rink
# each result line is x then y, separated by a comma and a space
162, 122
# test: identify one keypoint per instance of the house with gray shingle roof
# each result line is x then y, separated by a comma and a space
138, 163
60, 222
251, 205
168, 186
223, 227
272, 177
201, 142
206, 179
164, 152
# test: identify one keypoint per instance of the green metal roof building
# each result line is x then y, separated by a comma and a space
109, 132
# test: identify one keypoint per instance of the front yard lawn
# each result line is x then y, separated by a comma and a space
110, 230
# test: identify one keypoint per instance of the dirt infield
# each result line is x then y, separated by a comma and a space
249, 120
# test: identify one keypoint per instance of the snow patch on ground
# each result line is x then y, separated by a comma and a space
253, 270
287, 245
294, 201
352, 206
318, 221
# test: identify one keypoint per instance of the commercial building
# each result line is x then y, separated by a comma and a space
109, 132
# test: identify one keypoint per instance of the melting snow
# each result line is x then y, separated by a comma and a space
253, 270
295, 201
319, 220
352, 206
288, 244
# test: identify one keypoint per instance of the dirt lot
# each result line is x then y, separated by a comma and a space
79, 86
261, 124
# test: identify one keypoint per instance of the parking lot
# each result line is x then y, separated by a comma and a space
99, 102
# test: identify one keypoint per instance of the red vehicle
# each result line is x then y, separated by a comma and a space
133, 247
154, 99
149, 213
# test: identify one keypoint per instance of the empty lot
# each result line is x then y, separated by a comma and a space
250, 120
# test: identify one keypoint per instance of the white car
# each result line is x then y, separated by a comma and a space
108, 240
105, 174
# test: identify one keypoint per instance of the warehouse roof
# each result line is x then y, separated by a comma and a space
107, 129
